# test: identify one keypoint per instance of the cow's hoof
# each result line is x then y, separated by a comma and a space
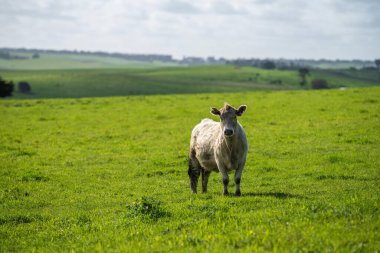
225, 193
238, 193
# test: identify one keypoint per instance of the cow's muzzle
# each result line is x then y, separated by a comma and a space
228, 132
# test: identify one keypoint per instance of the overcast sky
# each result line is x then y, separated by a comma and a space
331, 29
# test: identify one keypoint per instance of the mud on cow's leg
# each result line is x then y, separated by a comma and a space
205, 175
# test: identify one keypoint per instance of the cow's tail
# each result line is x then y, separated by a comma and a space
193, 172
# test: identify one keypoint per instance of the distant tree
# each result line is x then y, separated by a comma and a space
266, 64
303, 72
36, 56
211, 60
319, 84
369, 68
377, 62
5, 55
6, 88
24, 87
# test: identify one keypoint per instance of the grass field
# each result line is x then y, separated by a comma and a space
174, 80
69, 61
110, 174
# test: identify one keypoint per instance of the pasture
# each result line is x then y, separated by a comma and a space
53, 61
76, 83
110, 174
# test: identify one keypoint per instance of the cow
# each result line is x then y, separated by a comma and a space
218, 146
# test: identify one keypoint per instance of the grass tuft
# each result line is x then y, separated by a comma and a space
147, 207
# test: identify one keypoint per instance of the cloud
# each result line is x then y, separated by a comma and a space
179, 7
244, 28
29, 10
226, 8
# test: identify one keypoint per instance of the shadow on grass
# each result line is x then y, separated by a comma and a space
278, 195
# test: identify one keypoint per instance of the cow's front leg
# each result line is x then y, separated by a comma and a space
205, 175
225, 180
237, 178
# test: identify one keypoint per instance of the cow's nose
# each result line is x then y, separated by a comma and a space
228, 132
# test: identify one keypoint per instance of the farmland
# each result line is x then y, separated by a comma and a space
75, 83
53, 61
110, 173
95, 159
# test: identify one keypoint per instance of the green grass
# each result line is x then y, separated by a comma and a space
110, 174
66, 61
173, 80
348, 77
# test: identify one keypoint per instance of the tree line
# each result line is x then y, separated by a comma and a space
281, 63
299, 63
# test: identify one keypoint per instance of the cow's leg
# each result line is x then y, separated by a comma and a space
194, 172
205, 175
225, 180
238, 174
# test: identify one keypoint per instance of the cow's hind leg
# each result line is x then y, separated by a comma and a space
194, 172
205, 175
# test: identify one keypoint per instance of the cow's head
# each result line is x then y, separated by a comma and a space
228, 118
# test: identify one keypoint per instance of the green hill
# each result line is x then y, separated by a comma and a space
49, 61
174, 80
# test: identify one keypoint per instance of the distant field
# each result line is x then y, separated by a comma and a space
110, 174
174, 80
68, 61
341, 65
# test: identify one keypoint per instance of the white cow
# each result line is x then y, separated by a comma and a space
218, 146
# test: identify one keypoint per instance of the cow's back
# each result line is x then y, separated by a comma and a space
205, 132
203, 142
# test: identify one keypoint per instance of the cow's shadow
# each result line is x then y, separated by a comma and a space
278, 195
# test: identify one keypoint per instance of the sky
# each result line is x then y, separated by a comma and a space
329, 29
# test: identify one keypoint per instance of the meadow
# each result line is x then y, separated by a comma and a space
76, 83
61, 61
110, 174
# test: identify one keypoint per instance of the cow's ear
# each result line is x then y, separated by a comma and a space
215, 111
241, 110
